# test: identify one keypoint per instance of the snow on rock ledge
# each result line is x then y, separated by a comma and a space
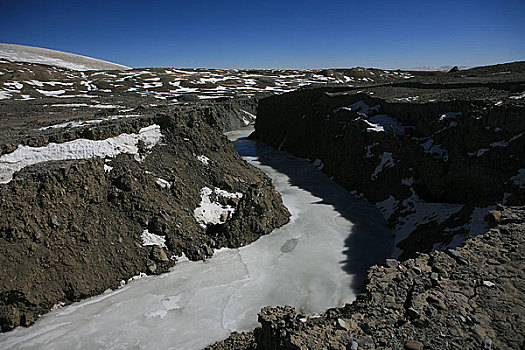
213, 212
25, 156
149, 238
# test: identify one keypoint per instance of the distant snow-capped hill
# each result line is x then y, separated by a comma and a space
21, 53
433, 68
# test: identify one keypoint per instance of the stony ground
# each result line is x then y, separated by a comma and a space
472, 297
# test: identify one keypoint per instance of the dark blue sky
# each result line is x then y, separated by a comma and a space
266, 34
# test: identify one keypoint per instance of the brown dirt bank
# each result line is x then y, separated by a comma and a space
71, 229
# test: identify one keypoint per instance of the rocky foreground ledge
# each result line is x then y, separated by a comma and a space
472, 297
87, 205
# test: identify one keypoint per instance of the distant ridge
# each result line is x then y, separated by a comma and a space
433, 68
22, 53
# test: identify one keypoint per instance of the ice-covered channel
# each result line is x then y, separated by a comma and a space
313, 263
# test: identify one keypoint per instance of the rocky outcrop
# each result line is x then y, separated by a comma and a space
434, 161
71, 229
471, 297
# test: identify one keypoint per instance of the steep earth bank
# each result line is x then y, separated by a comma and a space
117, 198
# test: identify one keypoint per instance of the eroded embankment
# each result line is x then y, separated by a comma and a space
73, 227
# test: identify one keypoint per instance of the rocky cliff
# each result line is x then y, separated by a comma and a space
433, 160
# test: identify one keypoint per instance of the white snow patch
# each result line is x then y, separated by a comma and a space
162, 183
4, 95
81, 123
227, 194
478, 153
407, 99
489, 284
14, 85
25, 98
387, 207
387, 122
149, 238
477, 224
25, 156
519, 180
386, 161
51, 93
434, 150
359, 106
151, 85
518, 97
76, 105
437, 152
21, 53
369, 153
449, 115
373, 127
503, 143
419, 212
211, 212
251, 116
203, 159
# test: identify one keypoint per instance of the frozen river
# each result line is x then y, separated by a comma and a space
315, 262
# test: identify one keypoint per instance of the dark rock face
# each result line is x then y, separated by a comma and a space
71, 229
471, 298
430, 159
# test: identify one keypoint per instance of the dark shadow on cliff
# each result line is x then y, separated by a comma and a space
369, 241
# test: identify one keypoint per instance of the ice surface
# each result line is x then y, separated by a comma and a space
315, 262
77, 149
